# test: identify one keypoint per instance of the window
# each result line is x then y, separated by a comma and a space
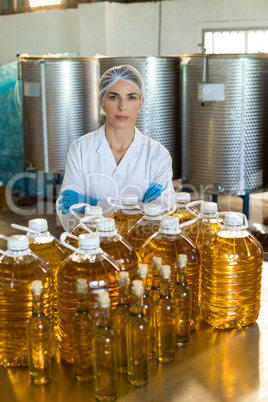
236, 41
42, 3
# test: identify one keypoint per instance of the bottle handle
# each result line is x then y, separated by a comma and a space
4, 238
24, 228
222, 224
87, 219
187, 223
63, 237
111, 200
191, 204
78, 205
169, 212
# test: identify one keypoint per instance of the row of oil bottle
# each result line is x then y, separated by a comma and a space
225, 286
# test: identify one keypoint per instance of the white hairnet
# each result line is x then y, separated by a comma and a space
124, 73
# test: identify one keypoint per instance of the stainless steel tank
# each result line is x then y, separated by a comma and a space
224, 123
159, 117
59, 105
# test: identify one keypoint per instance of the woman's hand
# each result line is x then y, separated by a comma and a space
72, 197
154, 191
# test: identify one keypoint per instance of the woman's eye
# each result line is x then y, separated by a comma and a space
132, 98
112, 97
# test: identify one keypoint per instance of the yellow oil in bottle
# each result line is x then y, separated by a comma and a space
3, 197
144, 227
19, 267
126, 216
89, 221
39, 339
182, 296
231, 276
167, 243
181, 212
117, 247
138, 339
104, 352
82, 330
120, 321
101, 272
165, 321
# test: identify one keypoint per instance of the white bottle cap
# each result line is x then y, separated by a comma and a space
157, 263
124, 278
165, 271
38, 224
106, 224
182, 259
208, 207
89, 240
81, 285
129, 199
170, 224
234, 219
143, 270
37, 288
17, 242
104, 299
93, 211
152, 209
182, 197
137, 287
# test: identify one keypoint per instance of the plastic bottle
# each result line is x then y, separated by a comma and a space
154, 292
181, 212
127, 214
231, 275
182, 296
138, 339
165, 323
101, 272
87, 224
82, 330
167, 243
19, 267
120, 321
117, 247
144, 227
148, 304
104, 352
39, 339
3, 197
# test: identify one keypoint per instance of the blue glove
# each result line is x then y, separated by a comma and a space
154, 191
70, 198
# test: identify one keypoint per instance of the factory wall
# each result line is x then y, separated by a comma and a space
151, 28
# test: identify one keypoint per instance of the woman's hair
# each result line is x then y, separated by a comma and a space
124, 73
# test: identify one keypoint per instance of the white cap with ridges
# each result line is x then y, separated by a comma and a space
182, 197
106, 224
104, 299
182, 260
143, 270
170, 225
208, 207
93, 211
81, 285
157, 263
38, 224
137, 287
124, 278
165, 271
89, 241
17, 243
37, 288
152, 209
129, 199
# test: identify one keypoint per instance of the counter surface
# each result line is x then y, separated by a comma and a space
229, 365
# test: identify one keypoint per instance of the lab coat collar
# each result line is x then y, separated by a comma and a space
104, 148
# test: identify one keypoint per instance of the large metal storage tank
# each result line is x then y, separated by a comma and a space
159, 117
225, 142
60, 104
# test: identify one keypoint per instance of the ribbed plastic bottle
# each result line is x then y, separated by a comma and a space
104, 352
120, 321
231, 275
168, 243
144, 227
181, 212
101, 272
39, 339
206, 223
127, 214
87, 224
3, 197
117, 247
19, 267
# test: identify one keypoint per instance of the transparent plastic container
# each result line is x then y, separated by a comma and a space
181, 212
117, 247
19, 267
127, 214
101, 272
231, 275
168, 243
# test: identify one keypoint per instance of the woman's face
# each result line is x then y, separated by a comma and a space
121, 105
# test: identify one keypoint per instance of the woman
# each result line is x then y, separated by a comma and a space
116, 159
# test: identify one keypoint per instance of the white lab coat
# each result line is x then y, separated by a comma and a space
91, 170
